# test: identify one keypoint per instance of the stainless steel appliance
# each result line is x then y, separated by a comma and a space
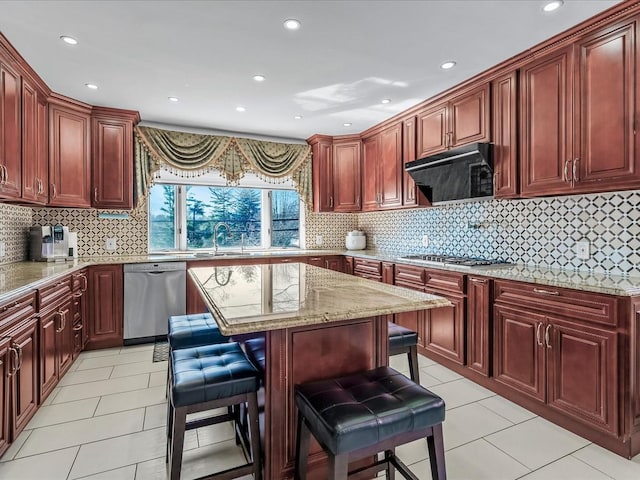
152, 293
470, 262
48, 243
460, 173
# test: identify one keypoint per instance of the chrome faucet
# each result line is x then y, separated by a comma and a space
215, 234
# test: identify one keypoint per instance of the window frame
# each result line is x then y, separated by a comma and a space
180, 219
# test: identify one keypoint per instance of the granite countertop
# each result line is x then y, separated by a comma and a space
254, 298
17, 278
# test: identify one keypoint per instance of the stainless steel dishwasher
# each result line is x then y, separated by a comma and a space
152, 293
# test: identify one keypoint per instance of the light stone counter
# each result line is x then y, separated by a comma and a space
577, 280
255, 298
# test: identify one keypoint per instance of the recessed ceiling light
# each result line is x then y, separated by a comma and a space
386, 100
92, 86
292, 24
241, 109
173, 99
448, 65
259, 78
69, 40
551, 6
298, 117
346, 124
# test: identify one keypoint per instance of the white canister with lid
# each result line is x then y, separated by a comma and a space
356, 240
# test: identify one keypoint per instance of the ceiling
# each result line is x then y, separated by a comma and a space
346, 58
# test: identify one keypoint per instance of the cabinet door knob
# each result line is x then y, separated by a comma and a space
3, 175
574, 170
565, 172
331, 202
54, 192
95, 194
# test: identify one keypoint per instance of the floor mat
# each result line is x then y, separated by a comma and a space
161, 351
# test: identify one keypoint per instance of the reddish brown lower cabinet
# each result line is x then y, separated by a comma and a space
106, 298
4, 394
445, 328
23, 375
64, 340
479, 333
49, 323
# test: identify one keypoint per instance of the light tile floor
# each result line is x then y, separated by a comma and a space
106, 421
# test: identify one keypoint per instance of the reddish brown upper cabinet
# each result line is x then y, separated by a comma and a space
504, 93
30, 185
322, 161
42, 151
411, 194
10, 133
382, 169
69, 153
370, 162
461, 119
112, 163
605, 149
106, 316
346, 174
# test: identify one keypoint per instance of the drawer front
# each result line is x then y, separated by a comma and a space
371, 267
79, 281
449, 281
593, 307
368, 276
50, 294
16, 310
409, 273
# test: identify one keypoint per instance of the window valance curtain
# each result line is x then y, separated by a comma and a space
191, 154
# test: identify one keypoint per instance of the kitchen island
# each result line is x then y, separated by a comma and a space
317, 324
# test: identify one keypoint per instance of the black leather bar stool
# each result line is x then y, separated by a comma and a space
403, 340
363, 414
206, 378
194, 330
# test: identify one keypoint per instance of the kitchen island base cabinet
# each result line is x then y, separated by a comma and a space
362, 344
107, 313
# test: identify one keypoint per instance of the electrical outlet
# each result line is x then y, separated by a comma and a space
582, 250
319, 240
110, 244
425, 241
2, 250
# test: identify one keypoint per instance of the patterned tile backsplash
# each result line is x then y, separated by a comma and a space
536, 231
14, 232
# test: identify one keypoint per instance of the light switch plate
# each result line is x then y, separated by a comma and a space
319, 240
425, 241
110, 244
582, 250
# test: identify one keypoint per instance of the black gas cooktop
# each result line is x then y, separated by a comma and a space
457, 261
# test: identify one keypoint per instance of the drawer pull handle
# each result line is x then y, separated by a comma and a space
547, 339
538, 330
14, 361
478, 280
77, 328
546, 292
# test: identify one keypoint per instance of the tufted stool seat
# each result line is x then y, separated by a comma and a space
403, 340
194, 330
207, 378
255, 349
366, 413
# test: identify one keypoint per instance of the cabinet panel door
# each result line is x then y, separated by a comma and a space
479, 325
391, 169
30, 185
24, 399
413, 321
433, 129
411, 194
112, 166
4, 395
42, 153
583, 373
346, 179
64, 340
518, 358
505, 135
546, 125
334, 263
49, 323
323, 176
10, 133
445, 328
106, 320
469, 117
370, 162
69, 158
606, 105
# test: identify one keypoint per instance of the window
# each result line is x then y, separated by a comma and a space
184, 217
